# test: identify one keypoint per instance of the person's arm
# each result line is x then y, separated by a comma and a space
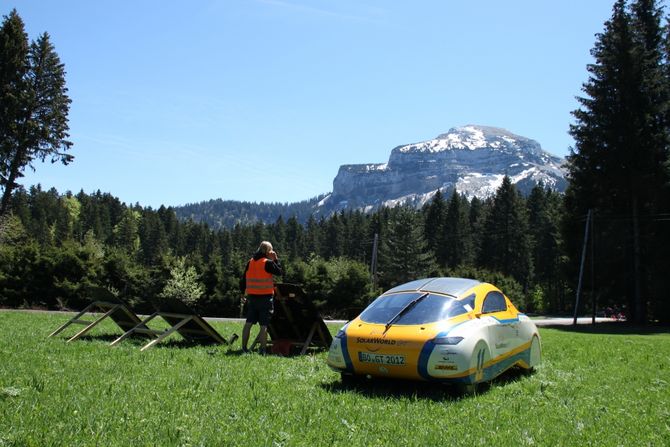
273, 265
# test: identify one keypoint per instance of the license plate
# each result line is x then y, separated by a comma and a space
382, 359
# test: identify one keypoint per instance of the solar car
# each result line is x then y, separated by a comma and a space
453, 330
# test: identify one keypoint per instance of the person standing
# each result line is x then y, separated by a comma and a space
258, 286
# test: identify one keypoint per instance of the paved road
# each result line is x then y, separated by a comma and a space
567, 321
539, 321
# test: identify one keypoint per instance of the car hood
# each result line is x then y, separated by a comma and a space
377, 335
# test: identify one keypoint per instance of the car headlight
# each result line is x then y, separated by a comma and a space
447, 340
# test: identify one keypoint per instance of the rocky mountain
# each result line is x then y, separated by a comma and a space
473, 159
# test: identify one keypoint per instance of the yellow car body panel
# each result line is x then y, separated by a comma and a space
474, 346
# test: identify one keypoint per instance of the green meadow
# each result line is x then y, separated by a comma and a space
605, 387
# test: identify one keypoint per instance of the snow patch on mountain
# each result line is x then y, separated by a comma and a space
479, 185
472, 158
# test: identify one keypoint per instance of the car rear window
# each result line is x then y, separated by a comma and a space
428, 310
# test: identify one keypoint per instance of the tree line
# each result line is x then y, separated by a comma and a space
218, 213
620, 167
55, 247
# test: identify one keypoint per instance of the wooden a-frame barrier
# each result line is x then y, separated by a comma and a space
111, 306
182, 320
295, 322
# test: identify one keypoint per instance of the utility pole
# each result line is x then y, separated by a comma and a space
373, 263
581, 265
594, 299
639, 308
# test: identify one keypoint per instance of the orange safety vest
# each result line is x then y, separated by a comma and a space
259, 282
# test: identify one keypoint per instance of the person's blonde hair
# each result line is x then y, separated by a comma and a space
265, 247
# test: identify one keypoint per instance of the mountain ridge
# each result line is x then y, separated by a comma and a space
473, 159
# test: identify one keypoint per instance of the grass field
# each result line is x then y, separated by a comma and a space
592, 389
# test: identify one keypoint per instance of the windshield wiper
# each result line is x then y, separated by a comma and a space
404, 310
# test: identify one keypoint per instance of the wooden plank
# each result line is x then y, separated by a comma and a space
76, 317
168, 332
94, 323
84, 322
148, 331
322, 336
309, 338
208, 330
174, 315
256, 340
134, 329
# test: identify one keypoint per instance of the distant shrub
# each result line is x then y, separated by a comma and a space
183, 283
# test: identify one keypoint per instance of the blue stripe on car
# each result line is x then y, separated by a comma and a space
422, 365
506, 321
427, 349
349, 366
490, 372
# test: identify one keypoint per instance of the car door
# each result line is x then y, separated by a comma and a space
501, 331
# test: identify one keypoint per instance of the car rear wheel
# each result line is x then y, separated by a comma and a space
535, 352
480, 357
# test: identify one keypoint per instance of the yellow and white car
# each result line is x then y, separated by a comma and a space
453, 330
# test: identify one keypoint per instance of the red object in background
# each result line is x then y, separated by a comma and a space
281, 347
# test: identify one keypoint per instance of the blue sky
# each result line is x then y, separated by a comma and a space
177, 102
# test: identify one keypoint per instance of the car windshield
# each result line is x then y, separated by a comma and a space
428, 310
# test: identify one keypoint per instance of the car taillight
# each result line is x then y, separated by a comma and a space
447, 340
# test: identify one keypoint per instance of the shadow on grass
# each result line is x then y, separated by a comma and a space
612, 328
108, 338
434, 391
181, 343
235, 352
140, 341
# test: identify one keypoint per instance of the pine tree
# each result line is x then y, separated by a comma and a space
126, 232
278, 234
434, 218
621, 136
153, 241
477, 218
404, 253
333, 241
506, 243
357, 243
651, 37
457, 232
294, 238
313, 238
544, 218
35, 105
13, 91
